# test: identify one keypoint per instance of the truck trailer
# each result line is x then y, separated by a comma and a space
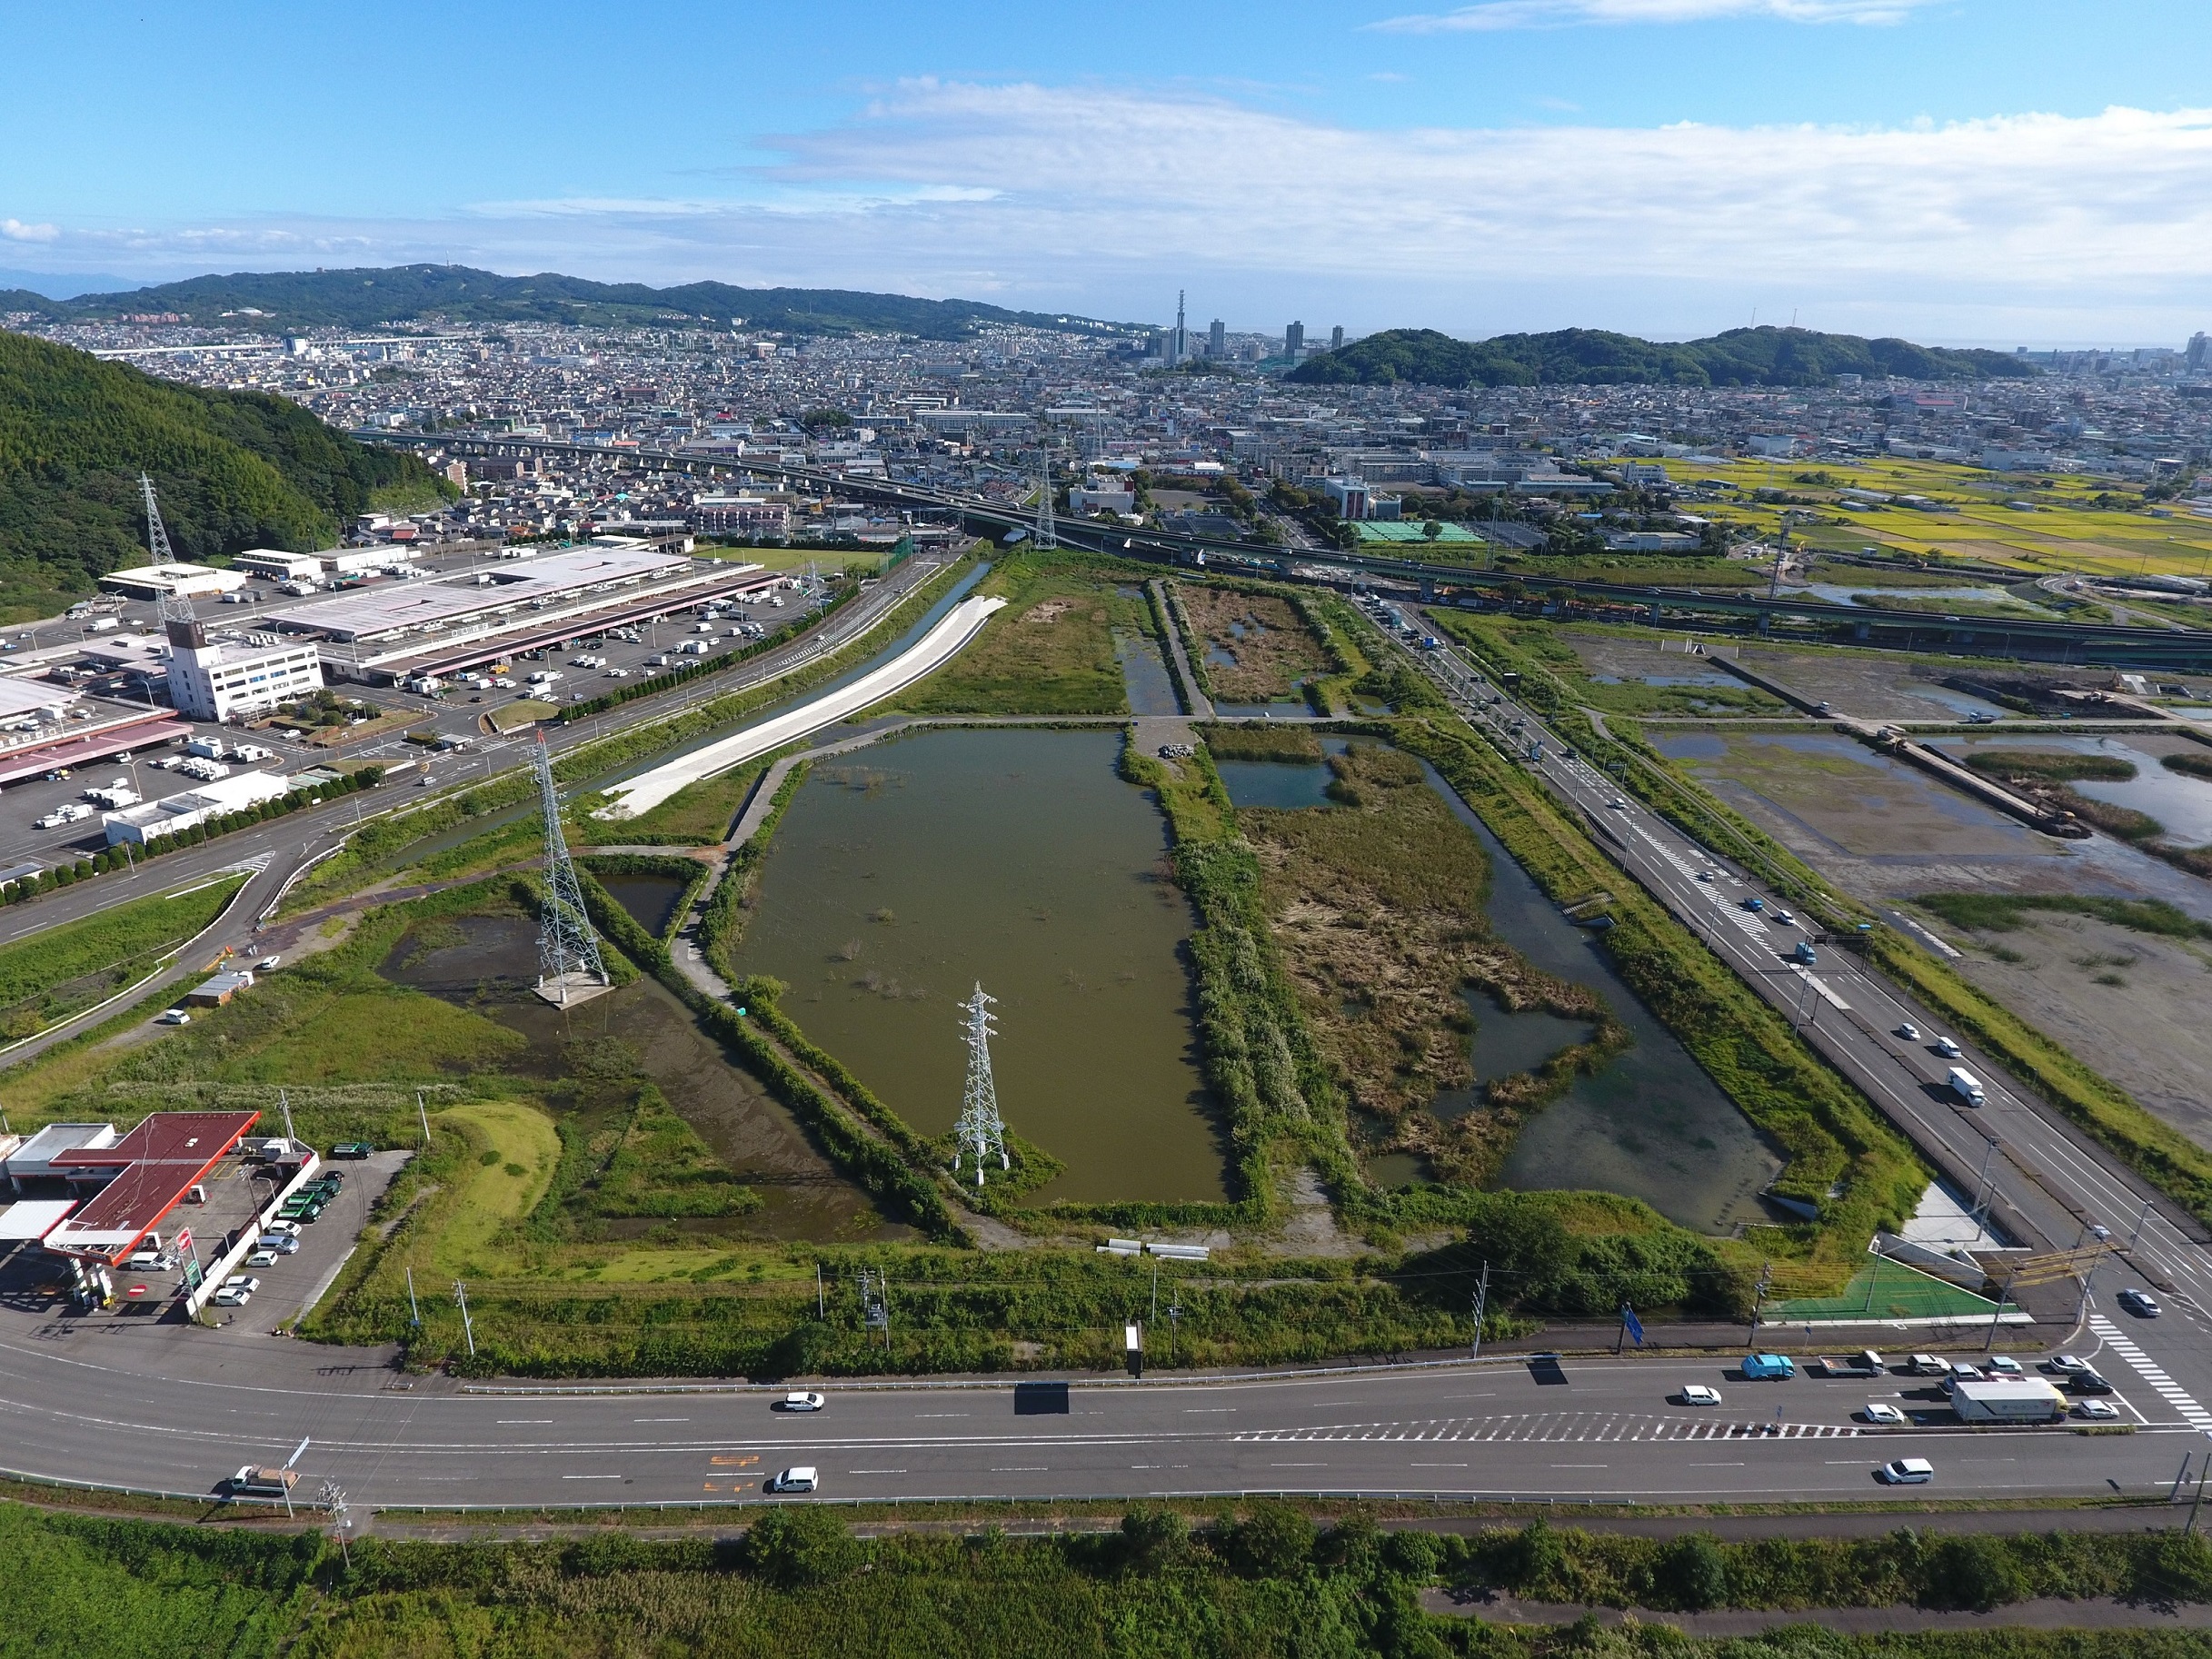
2009, 1399
1965, 1085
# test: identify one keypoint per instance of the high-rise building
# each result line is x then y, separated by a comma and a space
1336, 338
2199, 354
1179, 343
1294, 340
1217, 340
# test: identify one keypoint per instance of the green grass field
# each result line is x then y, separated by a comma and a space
52, 975
1885, 1289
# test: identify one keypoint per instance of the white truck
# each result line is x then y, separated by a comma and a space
1965, 1085
2008, 1400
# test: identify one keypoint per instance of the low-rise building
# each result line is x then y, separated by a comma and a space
175, 814
213, 680
172, 582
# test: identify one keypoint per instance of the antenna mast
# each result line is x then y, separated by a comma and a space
980, 1130
173, 606
569, 966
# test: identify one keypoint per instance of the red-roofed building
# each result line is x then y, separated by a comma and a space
155, 1166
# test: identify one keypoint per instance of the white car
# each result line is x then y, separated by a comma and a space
1944, 1046
803, 1478
268, 963
1698, 1394
173, 1016
282, 1229
242, 1281
1878, 1411
2095, 1411
2002, 1366
150, 1261
2067, 1364
1783, 919
801, 1402
1907, 1472
263, 1258
230, 1295
1909, 1032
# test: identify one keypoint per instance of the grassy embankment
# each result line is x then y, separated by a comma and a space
2168, 1160
1378, 908
54, 974
1256, 1578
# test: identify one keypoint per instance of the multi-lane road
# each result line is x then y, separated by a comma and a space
2045, 1179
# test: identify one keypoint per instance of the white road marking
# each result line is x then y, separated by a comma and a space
2151, 1372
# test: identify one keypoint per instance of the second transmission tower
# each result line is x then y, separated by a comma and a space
569, 966
1047, 534
981, 1132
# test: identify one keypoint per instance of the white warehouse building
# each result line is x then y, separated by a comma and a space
213, 682
173, 814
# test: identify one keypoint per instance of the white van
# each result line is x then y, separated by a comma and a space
800, 1479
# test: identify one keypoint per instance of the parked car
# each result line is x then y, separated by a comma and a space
231, 1296
1698, 1394
282, 1229
263, 1258
1764, 1367
268, 963
2088, 1382
283, 1243
150, 1261
2095, 1411
801, 1402
1908, 1472
351, 1149
2066, 1363
2140, 1303
173, 1016
1878, 1411
800, 1479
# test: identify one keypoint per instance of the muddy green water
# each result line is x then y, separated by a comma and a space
650, 900
486, 963
1018, 859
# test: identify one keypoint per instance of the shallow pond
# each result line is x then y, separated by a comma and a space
1144, 675
1018, 859
1652, 1124
651, 900
488, 963
2183, 804
1286, 784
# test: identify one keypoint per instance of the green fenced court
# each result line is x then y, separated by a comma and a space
1885, 1289
1412, 529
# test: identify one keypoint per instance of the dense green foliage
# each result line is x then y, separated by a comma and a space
1264, 1583
234, 469
2049, 764
369, 298
1595, 357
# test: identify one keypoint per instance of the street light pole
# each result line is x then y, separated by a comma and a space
1482, 1298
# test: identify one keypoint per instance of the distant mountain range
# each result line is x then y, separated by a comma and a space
1593, 357
275, 301
234, 469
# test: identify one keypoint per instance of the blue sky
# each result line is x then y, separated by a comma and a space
1998, 171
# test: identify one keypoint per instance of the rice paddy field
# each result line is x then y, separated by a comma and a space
2035, 522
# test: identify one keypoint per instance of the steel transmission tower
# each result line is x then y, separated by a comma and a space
173, 607
568, 950
1047, 535
980, 1130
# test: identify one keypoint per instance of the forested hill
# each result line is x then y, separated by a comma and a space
234, 469
365, 299
1592, 357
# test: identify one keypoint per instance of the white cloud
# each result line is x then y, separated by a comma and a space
15, 230
2032, 227
1561, 14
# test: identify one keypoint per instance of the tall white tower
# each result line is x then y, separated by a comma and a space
569, 965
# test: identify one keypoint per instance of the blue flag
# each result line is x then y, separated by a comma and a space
1636, 1325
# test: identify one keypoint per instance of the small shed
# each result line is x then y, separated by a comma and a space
220, 989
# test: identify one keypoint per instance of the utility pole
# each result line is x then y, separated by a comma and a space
467, 1328
1998, 1312
285, 1100
424, 1116
2136, 1231
332, 1497
819, 1310
1155, 1319
1758, 1296
2199, 1501
414, 1314
1482, 1299
1175, 1313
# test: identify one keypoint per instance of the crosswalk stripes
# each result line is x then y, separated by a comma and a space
2151, 1372
1559, 1426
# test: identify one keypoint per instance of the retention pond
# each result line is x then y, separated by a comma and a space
1020, 860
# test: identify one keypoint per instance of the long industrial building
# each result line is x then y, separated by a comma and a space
442, 624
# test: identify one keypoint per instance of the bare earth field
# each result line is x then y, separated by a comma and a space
1869, 686
2131, 1004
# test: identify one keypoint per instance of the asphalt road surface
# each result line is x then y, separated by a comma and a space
130, 1401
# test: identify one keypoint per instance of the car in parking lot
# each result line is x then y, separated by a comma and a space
268, 963
283, 1243
1698, 1394
2088, 1382
1909, 1032
263, 1258
173, 1016
2066, 1363
1907, 1472
155, 1260
2095, 1411
803, 1478
1879, 1411
351, 1149
800, 1401
286, 1229
1765, 1367
2140, 1303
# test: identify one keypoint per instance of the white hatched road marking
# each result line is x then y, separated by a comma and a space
1563, 1426
2151, 1372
